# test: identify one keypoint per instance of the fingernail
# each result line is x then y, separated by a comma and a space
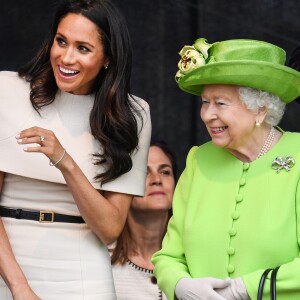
25, 149
17, 136
19, 141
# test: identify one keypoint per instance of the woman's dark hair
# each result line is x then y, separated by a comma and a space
166, 149
113, 116
120, 252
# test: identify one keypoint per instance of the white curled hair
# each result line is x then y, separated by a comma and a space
255, 99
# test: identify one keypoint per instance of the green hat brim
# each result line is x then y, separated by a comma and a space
274, 78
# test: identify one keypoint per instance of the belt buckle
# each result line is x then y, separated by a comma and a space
46, 216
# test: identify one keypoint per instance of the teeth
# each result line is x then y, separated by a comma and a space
67, 71
218, 128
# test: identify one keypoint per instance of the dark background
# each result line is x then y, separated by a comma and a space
159, 29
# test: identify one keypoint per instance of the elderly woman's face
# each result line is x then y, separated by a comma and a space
228, 121
160, 183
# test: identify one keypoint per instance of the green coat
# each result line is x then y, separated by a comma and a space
233, 219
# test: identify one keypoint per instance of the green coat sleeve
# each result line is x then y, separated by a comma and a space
170, 263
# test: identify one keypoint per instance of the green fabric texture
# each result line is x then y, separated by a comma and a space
249, 63
234, 219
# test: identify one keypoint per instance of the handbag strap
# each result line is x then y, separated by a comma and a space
261, 284
273, 283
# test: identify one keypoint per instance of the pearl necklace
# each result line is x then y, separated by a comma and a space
267, 145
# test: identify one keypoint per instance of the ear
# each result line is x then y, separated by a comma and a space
261, 114
106, 63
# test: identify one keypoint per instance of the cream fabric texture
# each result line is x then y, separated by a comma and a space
60, 260
68, 118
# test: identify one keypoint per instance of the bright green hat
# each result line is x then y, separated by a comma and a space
241, 62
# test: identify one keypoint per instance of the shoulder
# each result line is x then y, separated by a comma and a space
139, 103
10, 76
11, 82
13, 89
141, 110
291, 137
205, 150
208, 157
289, 143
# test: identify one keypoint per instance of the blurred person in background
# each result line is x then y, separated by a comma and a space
144, 229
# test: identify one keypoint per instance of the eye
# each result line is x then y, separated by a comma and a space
60, 41
83, 49
166, 172
204, 100
221, 102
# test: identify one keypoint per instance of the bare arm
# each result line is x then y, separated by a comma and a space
9, 268
104, 212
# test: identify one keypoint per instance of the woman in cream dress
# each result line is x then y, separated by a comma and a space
74, 146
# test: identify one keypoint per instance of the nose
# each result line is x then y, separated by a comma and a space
208, 112
68, 56
155, 179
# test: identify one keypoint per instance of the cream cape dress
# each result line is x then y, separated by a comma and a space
60, 260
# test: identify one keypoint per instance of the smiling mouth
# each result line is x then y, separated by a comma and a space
67, 72
156, 193
217, 130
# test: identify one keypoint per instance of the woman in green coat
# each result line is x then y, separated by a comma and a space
236, 206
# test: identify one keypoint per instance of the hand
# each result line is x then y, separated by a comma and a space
200, 288
235, 291
48, 143
24, 292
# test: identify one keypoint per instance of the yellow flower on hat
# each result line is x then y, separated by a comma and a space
192, 57
202, 46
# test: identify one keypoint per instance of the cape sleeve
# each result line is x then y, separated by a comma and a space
68, 118
133, 182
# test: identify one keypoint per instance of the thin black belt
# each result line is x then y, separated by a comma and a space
43, 216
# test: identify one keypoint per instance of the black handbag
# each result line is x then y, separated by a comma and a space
272, 284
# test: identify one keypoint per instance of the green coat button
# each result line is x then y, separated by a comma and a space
230, 268
242, 181
230, 251
235, 215
232, 231
246, 166
239, 198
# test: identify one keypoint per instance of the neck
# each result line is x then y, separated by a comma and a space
263, 139
147, 231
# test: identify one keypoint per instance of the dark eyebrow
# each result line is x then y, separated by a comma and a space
164, 166
161, 167
78, 42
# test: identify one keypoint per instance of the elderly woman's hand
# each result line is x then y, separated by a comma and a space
200, 288
235, 291
43, 141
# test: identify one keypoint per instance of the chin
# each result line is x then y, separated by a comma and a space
218, 144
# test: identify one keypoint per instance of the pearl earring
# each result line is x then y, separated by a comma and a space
106, 66
257, 124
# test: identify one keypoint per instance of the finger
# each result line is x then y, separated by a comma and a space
32, 140
33, 131
220, 283
33, 149
225, 292
218, 297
